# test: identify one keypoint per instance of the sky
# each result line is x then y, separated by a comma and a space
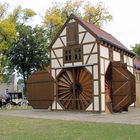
126, 20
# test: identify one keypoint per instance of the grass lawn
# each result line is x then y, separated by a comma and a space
16, 107
15, 128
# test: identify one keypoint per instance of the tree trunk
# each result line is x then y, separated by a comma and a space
25, 85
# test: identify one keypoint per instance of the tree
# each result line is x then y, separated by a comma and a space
7, 34
56, 15
136, 49
29, 51
8, 28
53, 20
97, 14
20, 15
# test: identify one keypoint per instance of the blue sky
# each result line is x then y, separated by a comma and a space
126, 20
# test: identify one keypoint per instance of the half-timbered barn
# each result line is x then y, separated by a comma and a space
92, 70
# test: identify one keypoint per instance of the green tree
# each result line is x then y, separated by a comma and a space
53, 20
20, 15
97, 14
29, 51
136, 49
56, 15
8, 32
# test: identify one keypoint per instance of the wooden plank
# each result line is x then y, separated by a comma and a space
72, 34
40, 88
122, 86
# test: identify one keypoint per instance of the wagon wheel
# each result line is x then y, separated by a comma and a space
75, 89
108, 91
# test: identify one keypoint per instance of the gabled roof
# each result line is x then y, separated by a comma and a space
96, 32
101, 33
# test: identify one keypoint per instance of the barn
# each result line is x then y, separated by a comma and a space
90, 71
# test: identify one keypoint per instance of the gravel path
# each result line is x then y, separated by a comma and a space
130, 117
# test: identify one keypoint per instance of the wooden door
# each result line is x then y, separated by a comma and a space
40, 88
121, 85
122, 88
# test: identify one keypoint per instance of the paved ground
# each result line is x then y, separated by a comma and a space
130, 117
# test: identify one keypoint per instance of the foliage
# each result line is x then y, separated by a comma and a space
7, 29
3, 9
15, 128
8, 32
136, 49
29, 51
53, 20
20, 81
57, 14
20, 15
96, 14
8, 24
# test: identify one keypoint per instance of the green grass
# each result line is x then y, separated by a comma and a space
16, 107
15, 128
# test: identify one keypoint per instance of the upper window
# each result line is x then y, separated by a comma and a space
72, 54
68, 55
77, 54
72, 34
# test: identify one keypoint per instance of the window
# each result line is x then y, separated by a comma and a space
68, 55
72, 54
72, 34
77, 54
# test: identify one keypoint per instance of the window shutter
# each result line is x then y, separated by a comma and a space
72, 34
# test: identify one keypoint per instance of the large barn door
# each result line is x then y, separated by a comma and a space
122, 87
40, 88
74, 88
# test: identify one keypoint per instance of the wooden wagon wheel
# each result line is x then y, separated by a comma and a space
75, 88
